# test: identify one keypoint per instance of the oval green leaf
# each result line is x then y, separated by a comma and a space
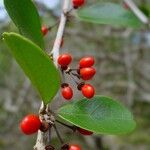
36, 64
101, 115
109, 13
25, 16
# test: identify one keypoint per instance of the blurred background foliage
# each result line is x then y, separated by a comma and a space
123, 72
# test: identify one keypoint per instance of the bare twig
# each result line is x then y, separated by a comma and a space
63, 20
41, 137
137, 11
40, 144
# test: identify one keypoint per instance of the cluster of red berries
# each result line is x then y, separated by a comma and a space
85, 71
31, 124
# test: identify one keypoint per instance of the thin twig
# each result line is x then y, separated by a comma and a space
49, 135
77, 83
41, 137
58, 135
76, 75
143, 18
61, 28
54, 25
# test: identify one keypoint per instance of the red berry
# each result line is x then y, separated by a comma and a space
74, 147
64, 59
67, 92
88, 90
30, 124
44, 30
78, 3
125, 5
87, 73
84, 132
86, 62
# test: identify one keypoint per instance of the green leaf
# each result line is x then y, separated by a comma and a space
36, 64
109, 13
25, 16
145, 8
101, 115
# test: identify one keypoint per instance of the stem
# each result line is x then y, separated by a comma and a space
76, 75
58, 135
41, 143
54, 25
60, 33
77, 83
73, 69
49, 135
41, 137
